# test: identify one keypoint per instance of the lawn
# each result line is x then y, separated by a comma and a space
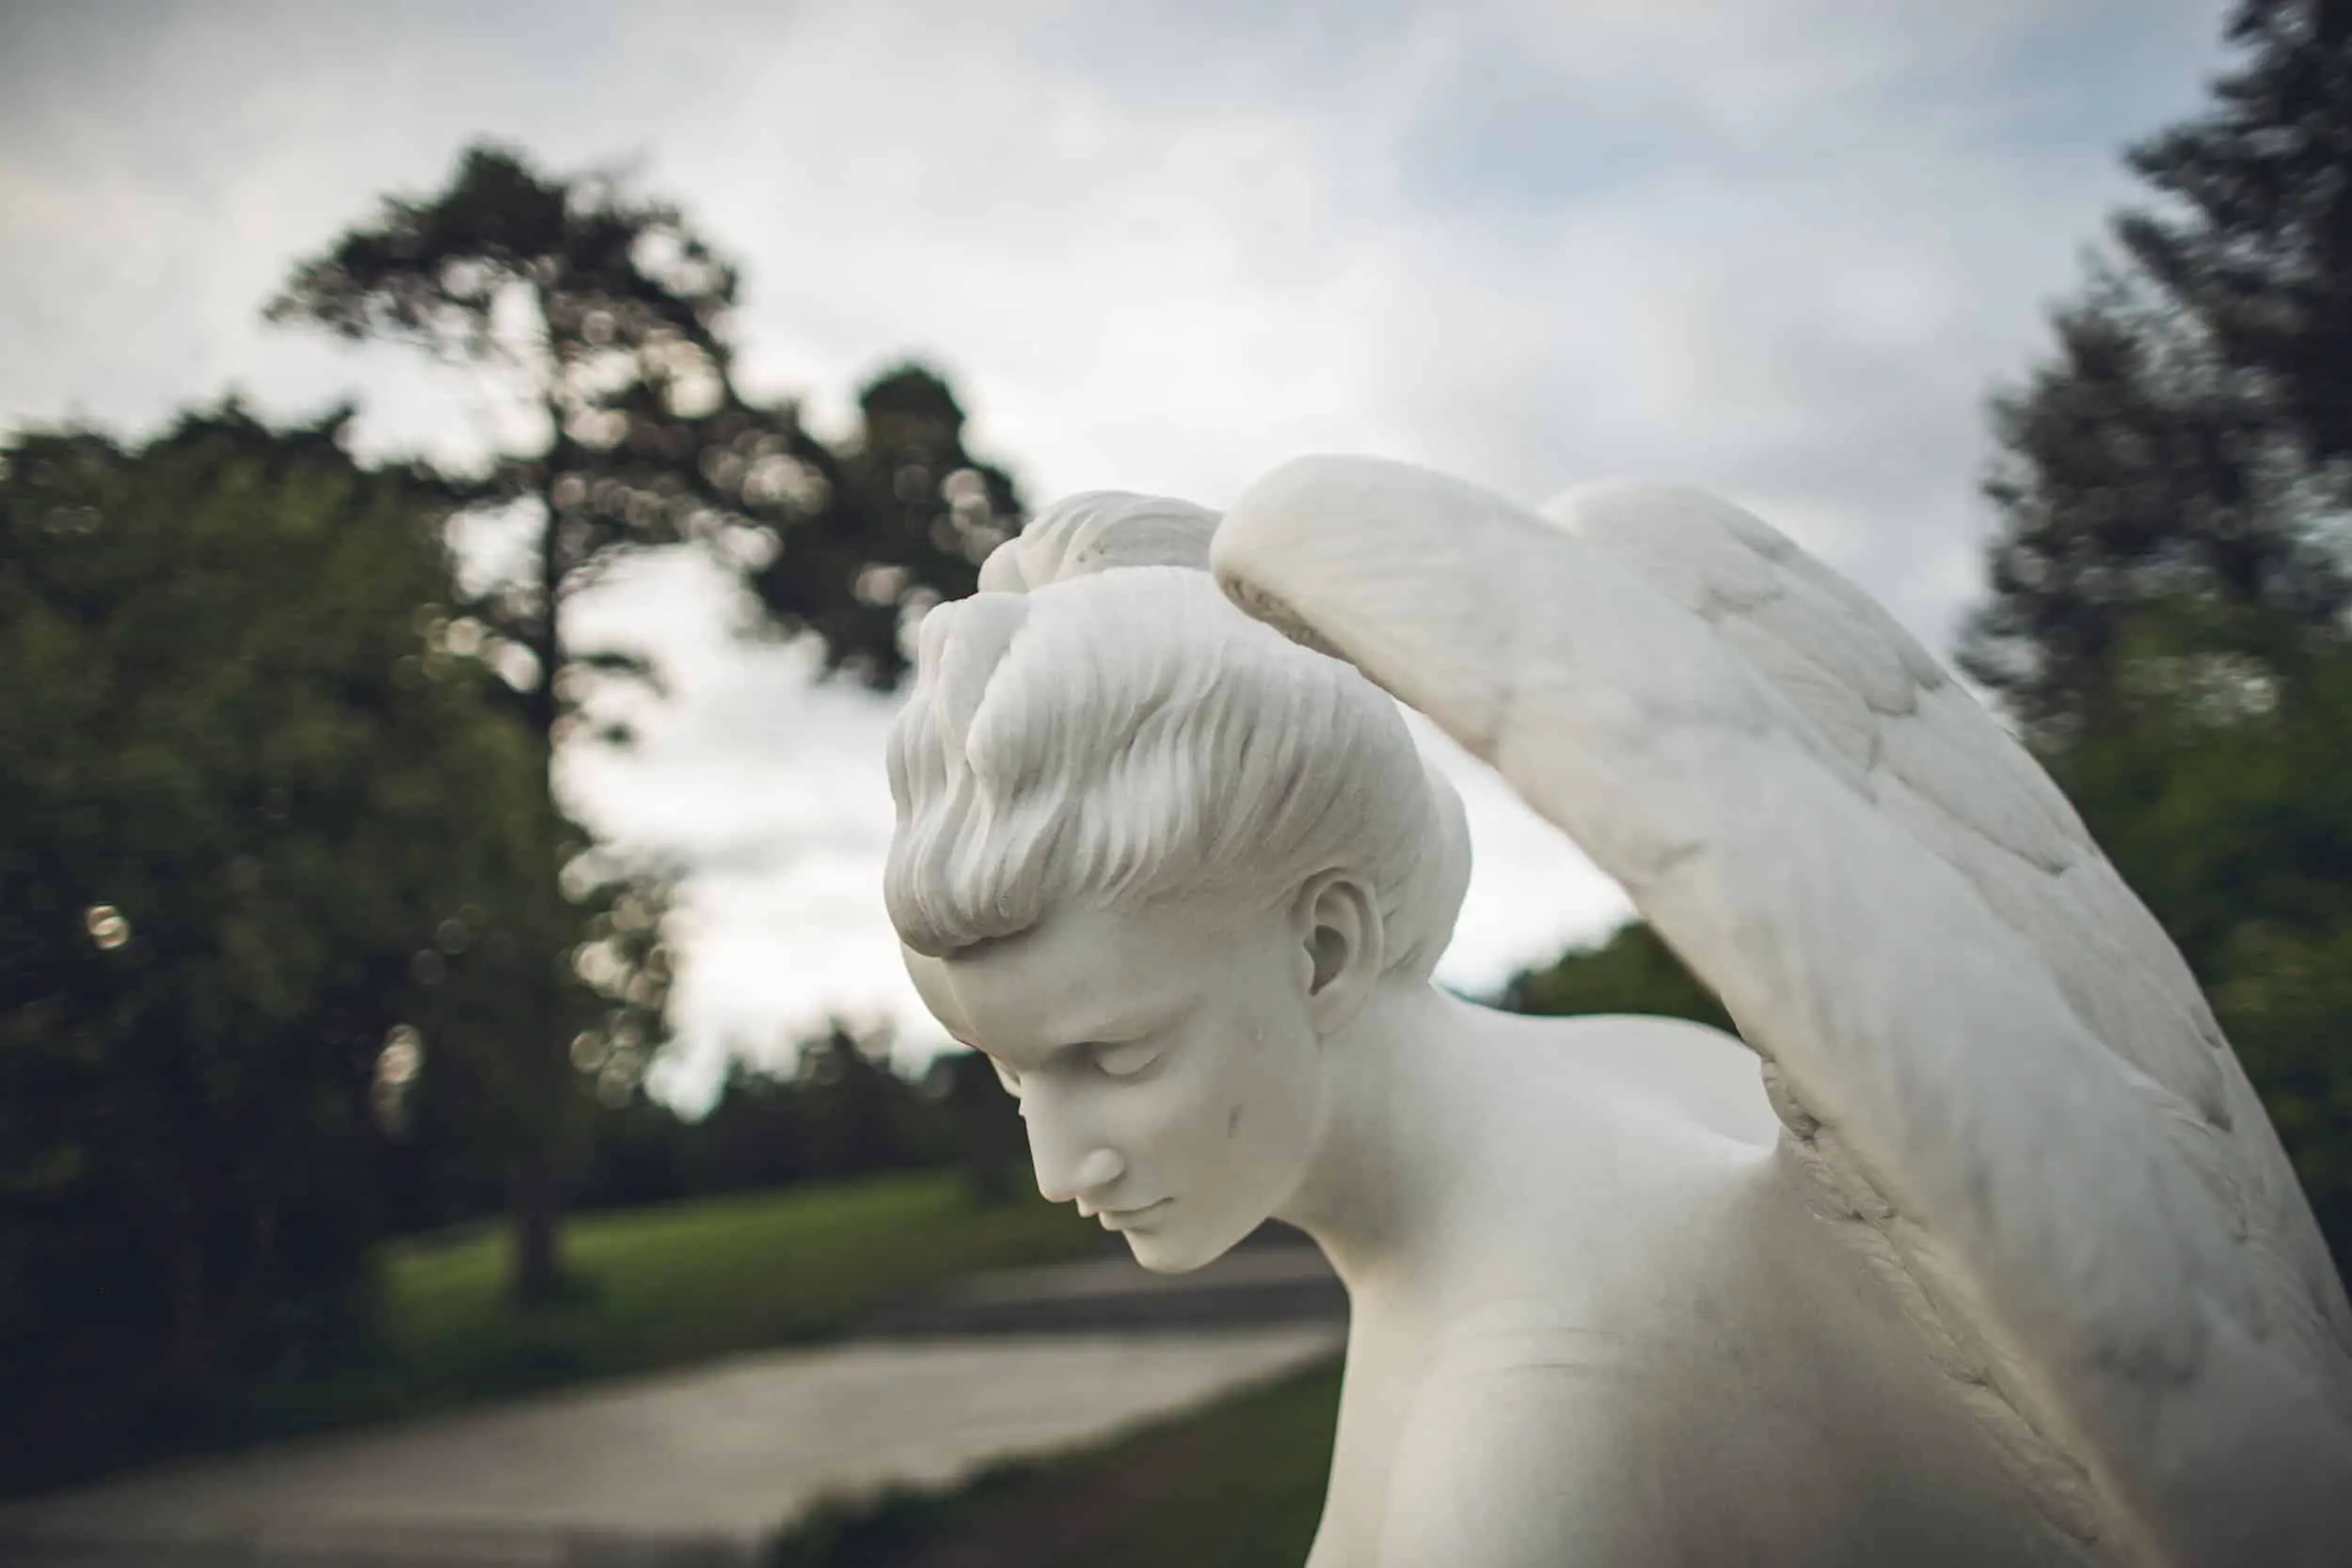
1239, 1486
665, 1286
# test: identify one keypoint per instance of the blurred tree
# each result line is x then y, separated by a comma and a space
853, 1109
246, 797
2194, 435
454, 1126
2133, 470
605, 316
2169, 584
905, 516
1633, 971
2256, 242
2215, 786
986, 1133
841, 1112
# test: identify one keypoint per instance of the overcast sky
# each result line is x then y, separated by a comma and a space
1780, 247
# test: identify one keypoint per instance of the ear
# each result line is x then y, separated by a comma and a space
1336, 923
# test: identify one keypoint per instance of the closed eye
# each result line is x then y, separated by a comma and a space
1126, 1061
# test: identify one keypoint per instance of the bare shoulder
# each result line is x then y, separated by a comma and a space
1665, 1066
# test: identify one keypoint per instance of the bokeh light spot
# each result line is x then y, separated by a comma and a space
106, 927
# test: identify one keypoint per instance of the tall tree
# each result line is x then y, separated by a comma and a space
2131, 471
2254, 239
244, 801
2169, 584
2193, 436
606, 316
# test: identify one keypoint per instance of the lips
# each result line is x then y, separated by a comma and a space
1119, 1219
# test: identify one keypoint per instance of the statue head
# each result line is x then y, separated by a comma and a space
1153, 857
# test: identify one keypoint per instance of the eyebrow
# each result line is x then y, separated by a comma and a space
1125, 1027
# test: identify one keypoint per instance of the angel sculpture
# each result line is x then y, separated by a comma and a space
1975, 1246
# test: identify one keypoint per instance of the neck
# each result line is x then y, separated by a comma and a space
1373, 1180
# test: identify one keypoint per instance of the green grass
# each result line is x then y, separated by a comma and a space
665, 1286
1239, 1486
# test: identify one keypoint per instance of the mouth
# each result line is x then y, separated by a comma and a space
1119, 1219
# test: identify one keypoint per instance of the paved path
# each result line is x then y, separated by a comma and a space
688, 1468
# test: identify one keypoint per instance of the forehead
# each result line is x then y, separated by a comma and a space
1081, 974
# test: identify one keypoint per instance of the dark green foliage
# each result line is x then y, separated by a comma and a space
2190, 438
2219, 793
881, 1530
603, 313
241, 794
1632, 972
899, 521
2255, 237
1240, 1485
990, 1142
2132, 471
609, 316
841, 1113
2169, 586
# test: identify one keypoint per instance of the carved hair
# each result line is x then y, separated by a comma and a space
1118, 735
1100, 530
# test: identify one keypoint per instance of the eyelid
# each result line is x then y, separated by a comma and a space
1127, 1060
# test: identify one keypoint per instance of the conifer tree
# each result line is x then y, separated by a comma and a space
606, 318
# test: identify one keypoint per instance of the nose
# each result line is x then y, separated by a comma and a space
1063, 1180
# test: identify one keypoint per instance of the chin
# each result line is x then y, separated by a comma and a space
1160, 1256
1177, 1252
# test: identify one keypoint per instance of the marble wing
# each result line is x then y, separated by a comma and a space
1996, 1072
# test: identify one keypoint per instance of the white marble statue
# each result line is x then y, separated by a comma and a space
1977, 1249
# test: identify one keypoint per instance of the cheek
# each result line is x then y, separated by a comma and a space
1254, 1111
1169, 1120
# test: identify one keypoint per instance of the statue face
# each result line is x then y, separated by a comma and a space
1164, 1058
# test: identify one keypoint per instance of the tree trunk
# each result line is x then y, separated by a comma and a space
534, 1205
191, 1349
534, 1212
